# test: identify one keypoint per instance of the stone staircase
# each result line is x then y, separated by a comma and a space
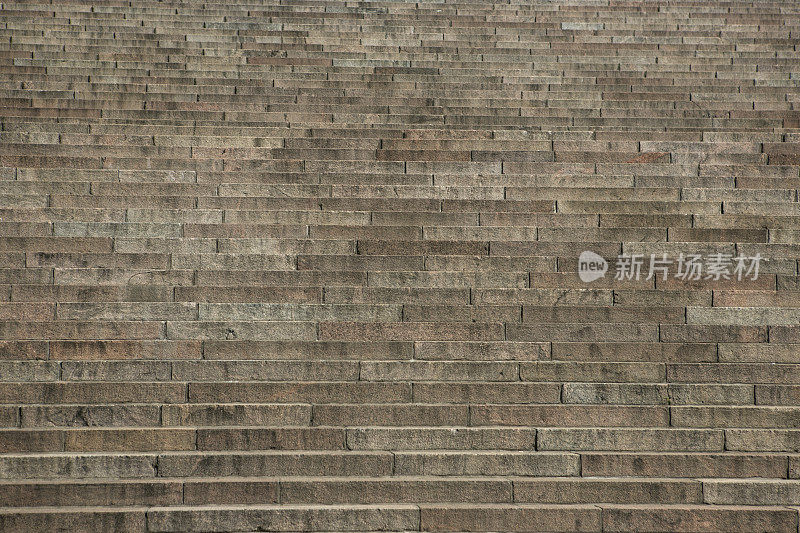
305, 265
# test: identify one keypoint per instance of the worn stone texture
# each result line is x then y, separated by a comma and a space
316, 266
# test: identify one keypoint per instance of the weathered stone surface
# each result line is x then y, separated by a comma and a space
321, 266
519, 517
284, 518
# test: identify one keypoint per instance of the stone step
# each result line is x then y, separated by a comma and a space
394, 489
488, 437
466, 462
577, 410
440, 517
